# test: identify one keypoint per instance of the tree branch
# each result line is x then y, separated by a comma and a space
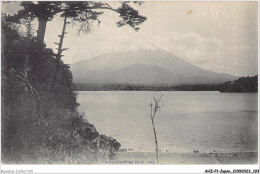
30, 88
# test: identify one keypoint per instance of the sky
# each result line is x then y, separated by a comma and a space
218, 36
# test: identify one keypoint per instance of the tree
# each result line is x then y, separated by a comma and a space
15, 23
243, 84
43, 11
158, 104
82, 12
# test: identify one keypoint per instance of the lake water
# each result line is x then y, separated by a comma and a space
204, 121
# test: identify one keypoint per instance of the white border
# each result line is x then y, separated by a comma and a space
124, 168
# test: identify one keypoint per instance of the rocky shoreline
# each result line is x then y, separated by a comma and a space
144, 158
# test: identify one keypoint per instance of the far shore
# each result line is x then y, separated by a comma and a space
144, 158
145, 87
158, 87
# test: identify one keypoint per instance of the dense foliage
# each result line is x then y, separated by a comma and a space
243, 84
144, 87
84, 13
40, 123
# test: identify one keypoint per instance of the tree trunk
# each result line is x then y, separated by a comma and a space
58, 56
156, 144
62, 37
41, 29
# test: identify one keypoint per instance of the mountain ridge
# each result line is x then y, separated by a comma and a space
113, 67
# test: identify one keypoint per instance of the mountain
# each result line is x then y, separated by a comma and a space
136, 74
143, 65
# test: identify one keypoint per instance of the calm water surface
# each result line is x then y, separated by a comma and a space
204, 121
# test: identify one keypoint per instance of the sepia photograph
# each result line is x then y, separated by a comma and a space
129, 83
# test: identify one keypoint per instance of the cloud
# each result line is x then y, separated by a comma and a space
191, 47
210, 53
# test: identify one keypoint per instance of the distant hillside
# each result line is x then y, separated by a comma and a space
143, 66
134, 74
243, 84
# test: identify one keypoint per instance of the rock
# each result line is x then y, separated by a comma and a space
97, 142
89, 132
122, 150
108, 142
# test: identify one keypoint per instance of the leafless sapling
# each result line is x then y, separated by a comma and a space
155, 107
29, 88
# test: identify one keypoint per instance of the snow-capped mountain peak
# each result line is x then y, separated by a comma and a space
135, 44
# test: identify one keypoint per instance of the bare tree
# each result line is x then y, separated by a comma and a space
59, 53
28, 87
157, 106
